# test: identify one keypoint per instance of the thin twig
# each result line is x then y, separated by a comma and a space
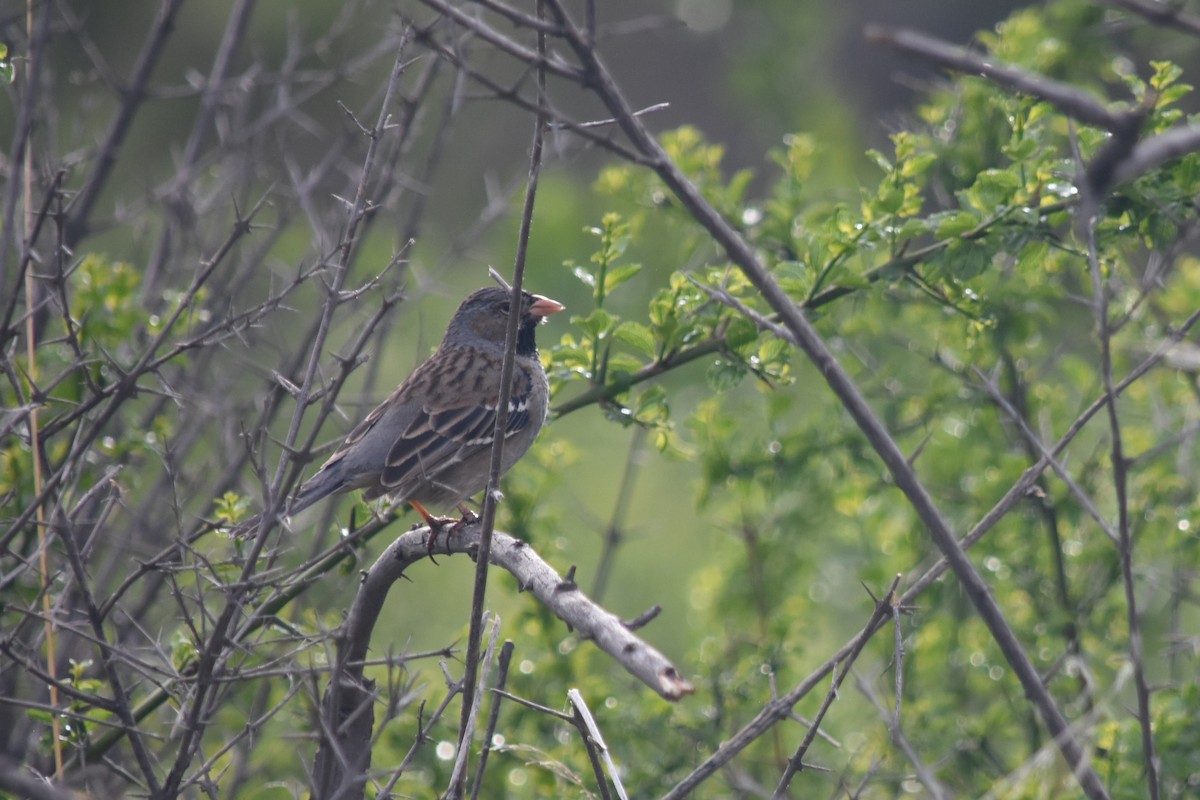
614, 533
1100, 289
597, 750
492, 494
458, 773
506, 651
883, 610
932, 785
1170, 15
1071, 101
132, 96
1059, 468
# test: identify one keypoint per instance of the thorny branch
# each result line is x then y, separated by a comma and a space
156, 366
347, 774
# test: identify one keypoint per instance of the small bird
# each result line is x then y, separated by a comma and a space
430, 441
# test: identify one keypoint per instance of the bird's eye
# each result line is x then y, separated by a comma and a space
505, 306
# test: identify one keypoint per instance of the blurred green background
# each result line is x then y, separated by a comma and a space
763, 514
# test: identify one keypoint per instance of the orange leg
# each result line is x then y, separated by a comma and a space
438, 524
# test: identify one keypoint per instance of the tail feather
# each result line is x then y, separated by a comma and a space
326, 482
319, 486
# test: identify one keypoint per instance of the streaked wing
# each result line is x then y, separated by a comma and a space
437, 438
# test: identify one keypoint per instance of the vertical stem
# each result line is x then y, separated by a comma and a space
471, 668
35, 445
616, 524
1124, 539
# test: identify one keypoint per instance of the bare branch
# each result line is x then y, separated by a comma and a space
1156, 151
882, 612
534, 575
1071, 101
597, 750
132, 97
344, 756
506, 652
1170, 15
538, 58
1100, 290
16, 779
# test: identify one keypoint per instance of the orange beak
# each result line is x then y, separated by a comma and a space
544, 306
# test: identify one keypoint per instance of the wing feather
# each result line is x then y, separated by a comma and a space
437, 438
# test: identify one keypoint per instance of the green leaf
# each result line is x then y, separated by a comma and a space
966, 259
231, 507
992, 189
774, 350
595, 324
637, 336
619, 364
794, 277
880, 160
1173, 94
1165, 74
1158, 231
725, 374
1021, 149
618, 275
918, 165
890, 199
852, 280
653, 399
956, 224
741, 332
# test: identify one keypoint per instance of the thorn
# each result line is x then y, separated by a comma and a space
643, 619
498, 278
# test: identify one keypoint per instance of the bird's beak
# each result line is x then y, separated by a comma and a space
544, 306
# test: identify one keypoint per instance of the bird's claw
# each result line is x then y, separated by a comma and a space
438, 524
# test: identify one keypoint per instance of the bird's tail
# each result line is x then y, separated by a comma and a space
327, 481
316, 488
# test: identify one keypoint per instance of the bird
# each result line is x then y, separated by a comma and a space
429, 443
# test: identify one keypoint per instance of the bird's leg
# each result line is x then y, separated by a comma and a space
448, 524
469, 517
436, 524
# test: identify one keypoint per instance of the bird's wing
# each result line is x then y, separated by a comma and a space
440, 436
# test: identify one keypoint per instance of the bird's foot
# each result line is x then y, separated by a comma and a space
469, 517
448, 524
436, 525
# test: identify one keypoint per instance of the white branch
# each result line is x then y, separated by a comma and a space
534, 575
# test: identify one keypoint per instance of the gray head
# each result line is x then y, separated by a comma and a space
482, 319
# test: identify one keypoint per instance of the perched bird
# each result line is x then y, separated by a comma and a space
430, 441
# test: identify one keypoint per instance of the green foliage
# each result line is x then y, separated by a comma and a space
918, 293
231, 508
7, 72
955, 273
